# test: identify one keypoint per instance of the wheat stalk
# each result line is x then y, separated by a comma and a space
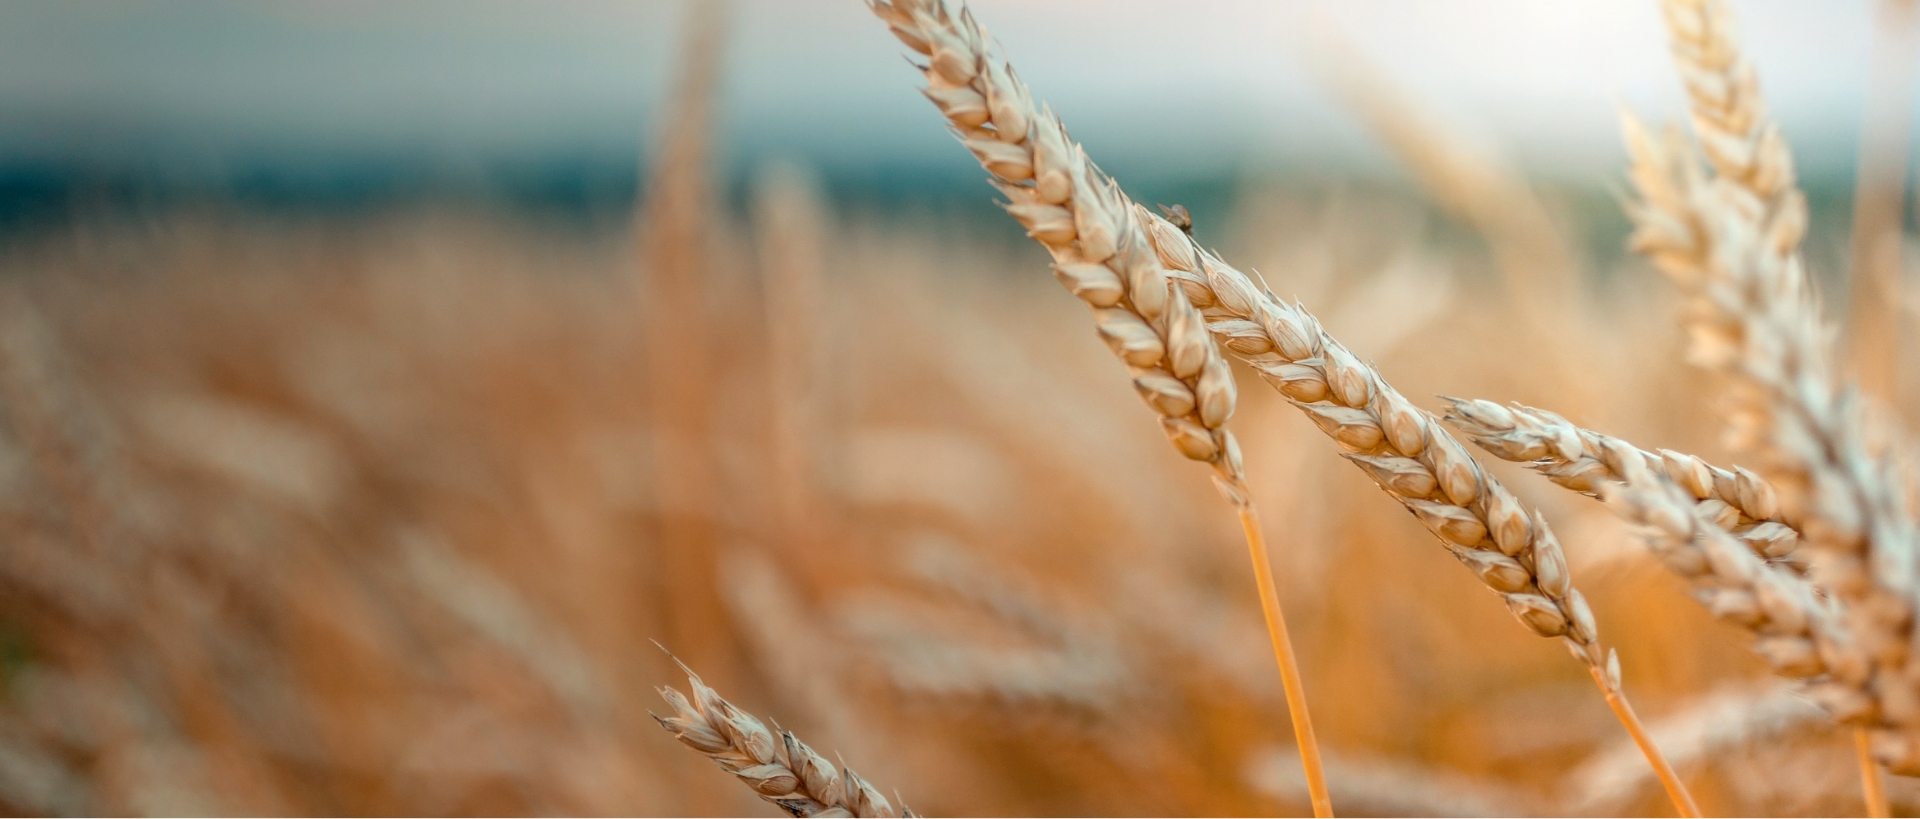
1735, 500
1710, 728
781, 769
1730, 243
673, 228
1879, 195
1102, 255
1095, 233
791, 232
1873, 789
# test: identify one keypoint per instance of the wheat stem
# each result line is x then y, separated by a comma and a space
1879, 194
1289, 669
676, 333
1609, 683
1872, 787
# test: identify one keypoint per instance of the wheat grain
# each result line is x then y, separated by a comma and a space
1163, 340
781, 769
1729, 118
1108, 249
1730, 242
1736, 500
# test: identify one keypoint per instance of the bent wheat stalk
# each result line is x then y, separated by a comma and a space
1582, 460
1095, 233
781, 769
1730, 242
1102, 256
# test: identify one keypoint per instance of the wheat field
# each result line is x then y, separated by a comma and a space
448, 509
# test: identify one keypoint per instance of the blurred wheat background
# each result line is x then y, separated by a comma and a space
378, 382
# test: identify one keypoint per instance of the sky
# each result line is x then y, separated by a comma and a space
1189, 82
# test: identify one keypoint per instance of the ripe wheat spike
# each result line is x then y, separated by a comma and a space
1080, 214
1729, 239
1690, 513
780, 768
1800, 635
1102, 254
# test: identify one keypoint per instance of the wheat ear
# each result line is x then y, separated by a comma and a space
1730, 242
780, 768
1736, 500
1077, 211
1103, 257
1801, 636
1723, 97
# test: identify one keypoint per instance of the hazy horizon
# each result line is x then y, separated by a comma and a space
423, 92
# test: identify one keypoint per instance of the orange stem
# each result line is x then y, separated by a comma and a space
1289, 670
1623, 710
1871, 786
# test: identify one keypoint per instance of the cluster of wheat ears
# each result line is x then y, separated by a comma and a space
1812, 549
